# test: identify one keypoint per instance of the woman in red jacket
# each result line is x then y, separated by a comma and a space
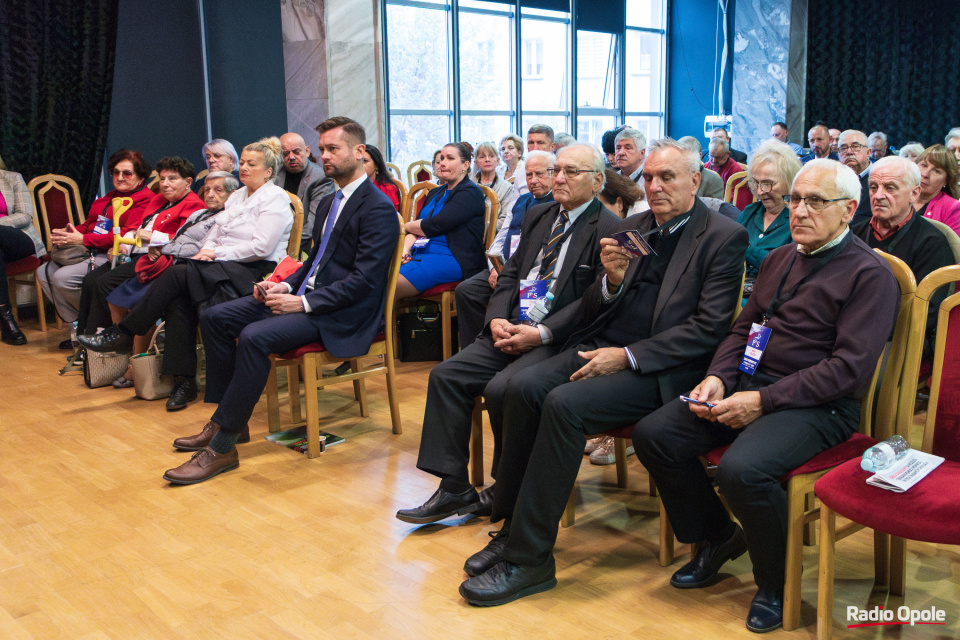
62, 283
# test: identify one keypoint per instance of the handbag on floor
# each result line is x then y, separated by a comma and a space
148, 382
100, 369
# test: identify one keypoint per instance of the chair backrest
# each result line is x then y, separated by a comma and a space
882, 422
391, 298
419, 171
403, 191
57, 198
952, 238
492, 203
941, 432
395, 170
411, 205
200, 176
736, 192
293, 244
153, 182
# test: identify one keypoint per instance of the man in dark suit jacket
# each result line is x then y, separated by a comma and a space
649, 328
336, 298
304, 178
561, 239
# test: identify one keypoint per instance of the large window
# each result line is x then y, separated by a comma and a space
466, 70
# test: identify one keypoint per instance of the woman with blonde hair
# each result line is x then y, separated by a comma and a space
486, 159
938, 186
511, 153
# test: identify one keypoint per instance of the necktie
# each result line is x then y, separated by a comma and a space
331, 221
552, 249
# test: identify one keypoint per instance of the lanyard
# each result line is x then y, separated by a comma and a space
780, 298
669, 226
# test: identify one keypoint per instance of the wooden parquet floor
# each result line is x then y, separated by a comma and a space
95, 545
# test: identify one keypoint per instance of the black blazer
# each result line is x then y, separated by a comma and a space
347, 299
581, 263
461, 220
695, 305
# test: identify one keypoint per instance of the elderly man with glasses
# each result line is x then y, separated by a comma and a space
558, 257
784, 385
855, 153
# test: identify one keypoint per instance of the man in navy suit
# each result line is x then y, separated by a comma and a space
335, 298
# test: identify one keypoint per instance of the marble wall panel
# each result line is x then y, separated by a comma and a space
305, 66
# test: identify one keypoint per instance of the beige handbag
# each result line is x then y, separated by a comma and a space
100, 369
148, 383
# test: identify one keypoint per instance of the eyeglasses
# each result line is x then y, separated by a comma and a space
766, 186
855, 147
570, 172
539, 175
813, 203
124, 174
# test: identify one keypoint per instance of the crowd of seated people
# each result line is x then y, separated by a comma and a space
615, 340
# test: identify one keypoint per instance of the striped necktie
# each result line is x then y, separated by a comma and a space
552, 250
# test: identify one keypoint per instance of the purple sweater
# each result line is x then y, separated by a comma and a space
825, 341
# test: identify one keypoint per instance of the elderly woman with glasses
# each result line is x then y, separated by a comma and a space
770, 176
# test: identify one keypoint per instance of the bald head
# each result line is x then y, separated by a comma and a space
296, 153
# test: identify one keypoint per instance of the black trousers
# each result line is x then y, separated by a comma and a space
472, 295
14, 245
94, 311
479, 369
669, 442
548, 419
238, 337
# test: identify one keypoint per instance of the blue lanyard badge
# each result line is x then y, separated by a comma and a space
104, 225
756, 344
531, 293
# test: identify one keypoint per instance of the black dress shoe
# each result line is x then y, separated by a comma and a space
65, 345
490, 555
766, 611
109, 340
706, 564
442, 505
184, 392
9, 331
505, 582
486, 502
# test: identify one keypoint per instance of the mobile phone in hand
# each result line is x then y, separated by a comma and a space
709, 405
261, 289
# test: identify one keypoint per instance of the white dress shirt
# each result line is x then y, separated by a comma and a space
252, 226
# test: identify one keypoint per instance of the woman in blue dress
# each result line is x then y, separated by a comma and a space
446, 243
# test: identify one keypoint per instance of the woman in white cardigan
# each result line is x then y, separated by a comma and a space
18, 240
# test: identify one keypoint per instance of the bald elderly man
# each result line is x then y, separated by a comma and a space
304, 178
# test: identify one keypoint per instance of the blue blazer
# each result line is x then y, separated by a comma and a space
461, 220
350, 288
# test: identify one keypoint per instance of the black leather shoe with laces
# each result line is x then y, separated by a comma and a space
488, 556
110, 339
505, 582
184, 392
706, 564
441, 505
766, 611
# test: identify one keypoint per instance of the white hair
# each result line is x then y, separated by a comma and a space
911, 172
546, 155
564, 140
782, 157
953, 133
226, 148
634, 134
230, 182
597, 158
693, 143
860, 135
845, 179
878, 135
720, 142
914, 147
692, 157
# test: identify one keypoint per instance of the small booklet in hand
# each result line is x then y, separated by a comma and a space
905, 472
634, 243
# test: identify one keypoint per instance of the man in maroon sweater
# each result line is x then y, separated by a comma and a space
815, 297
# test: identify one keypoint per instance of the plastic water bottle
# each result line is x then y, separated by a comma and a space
540, 309
882, 455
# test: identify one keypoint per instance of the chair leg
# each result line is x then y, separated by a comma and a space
12, 289
273, 400
392, 392
569, 512
828, 529
476, 444
620, 455
41, 312
446, 329
313, 406
810, 528
666, 539
651, 486
898, 566
360, 389
881, 558
794, 561
293, 392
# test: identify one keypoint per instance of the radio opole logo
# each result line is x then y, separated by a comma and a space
902, 615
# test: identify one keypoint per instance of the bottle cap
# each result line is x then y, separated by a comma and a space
867, 465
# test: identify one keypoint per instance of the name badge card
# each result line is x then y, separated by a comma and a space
531, 292
634, 243
104, 225
756, 344
421, 242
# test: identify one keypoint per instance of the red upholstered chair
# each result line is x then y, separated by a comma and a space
419, 171
313, 357
799, 483
56, 199
929, 511
737, 192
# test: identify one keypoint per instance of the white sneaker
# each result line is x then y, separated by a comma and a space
604, 454
592, 444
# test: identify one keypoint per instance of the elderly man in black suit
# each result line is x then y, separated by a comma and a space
304, 178
559, 244
647, 331
336, 298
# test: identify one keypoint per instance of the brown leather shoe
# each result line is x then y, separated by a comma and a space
202, 439
202, 465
